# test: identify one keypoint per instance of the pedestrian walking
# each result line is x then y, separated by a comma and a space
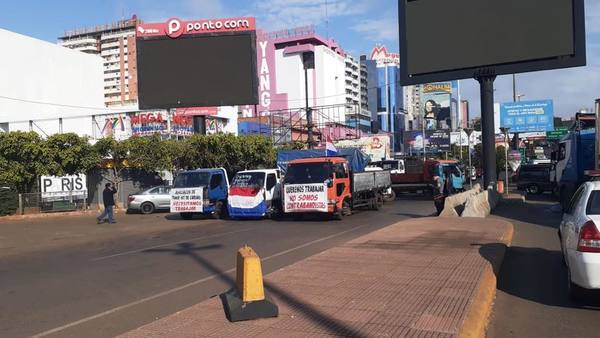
438, 194
108, 198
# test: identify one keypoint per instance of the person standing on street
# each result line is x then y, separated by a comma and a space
438, 194
108, 198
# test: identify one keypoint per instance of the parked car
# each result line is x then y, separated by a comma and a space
535, 178
150, 200
580, 240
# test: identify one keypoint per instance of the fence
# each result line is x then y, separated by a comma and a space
33, 203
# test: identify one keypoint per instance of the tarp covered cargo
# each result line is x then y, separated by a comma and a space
355, 157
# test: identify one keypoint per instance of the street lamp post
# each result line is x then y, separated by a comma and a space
469, 131
505, 131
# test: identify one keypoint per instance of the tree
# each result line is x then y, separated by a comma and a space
148, 153
23, 158
69, 154
114, 154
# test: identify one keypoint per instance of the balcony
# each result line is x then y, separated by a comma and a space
107, 52
118, 35
81, 41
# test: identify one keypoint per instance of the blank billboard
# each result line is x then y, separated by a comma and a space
197, 70
447, 40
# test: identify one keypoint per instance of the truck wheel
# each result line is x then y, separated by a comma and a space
220, 210
186, 215
345, 210
534, 189
390, 197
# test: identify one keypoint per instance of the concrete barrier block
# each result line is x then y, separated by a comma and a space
477, 206
454, 201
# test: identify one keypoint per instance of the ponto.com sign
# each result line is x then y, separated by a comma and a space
175, 28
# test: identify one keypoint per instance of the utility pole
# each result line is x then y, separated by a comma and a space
308, 59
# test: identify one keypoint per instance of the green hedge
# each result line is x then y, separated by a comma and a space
9, 202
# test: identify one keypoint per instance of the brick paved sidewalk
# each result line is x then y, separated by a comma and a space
428, 277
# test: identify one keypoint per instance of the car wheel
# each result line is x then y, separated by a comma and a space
186, 215
534, 189
147, 208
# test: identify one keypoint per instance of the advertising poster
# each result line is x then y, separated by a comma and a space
439, 140
435, 105
187, 199
305, 198
376, 146
117, 126
214, 125
527, 116
413, 140
149, 123
53, 187
182, 125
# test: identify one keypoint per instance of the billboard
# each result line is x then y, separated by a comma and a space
157, 122
204, 63
496, 37
435, 141
527, 116
377, 147
117, 126
435, 105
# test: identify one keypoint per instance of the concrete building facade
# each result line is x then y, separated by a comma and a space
116, 44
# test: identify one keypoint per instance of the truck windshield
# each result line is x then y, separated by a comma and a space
192, 180
302, 173
248, 180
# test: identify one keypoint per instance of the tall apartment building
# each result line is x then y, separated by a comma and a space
412, 105
364, 84
356, 116
116, 44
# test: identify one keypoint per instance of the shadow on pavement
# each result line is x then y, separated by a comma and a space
534, 274
319, 318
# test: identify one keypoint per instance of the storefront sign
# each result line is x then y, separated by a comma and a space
187, 199
305, 197
66, 186
175, 28
149, 123
197, 111
182, 125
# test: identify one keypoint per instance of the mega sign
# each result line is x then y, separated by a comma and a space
175, 28
381, 55
527, 116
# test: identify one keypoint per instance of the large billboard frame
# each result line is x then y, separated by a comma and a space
200, 103
574, 60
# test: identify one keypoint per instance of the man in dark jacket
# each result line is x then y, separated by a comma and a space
108, 198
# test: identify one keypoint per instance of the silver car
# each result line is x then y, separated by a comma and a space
150, 200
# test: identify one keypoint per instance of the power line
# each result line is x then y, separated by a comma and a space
58, 104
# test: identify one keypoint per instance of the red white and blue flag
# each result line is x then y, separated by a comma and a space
330, 149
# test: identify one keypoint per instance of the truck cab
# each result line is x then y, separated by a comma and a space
254, 193
302, 181
200, 191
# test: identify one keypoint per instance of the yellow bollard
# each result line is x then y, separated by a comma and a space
249, 275
248, 300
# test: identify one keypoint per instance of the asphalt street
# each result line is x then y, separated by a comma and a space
532, 299
108, 287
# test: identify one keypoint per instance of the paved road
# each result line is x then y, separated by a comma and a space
532, 296
108, 287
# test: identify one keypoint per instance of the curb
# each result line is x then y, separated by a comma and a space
480, 309
55, 214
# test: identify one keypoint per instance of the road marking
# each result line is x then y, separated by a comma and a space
168, 244
182, 287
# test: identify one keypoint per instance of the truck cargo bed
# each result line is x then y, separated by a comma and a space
371, 180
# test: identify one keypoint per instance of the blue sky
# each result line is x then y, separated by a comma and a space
356, 24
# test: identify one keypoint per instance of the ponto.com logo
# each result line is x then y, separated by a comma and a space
174, 28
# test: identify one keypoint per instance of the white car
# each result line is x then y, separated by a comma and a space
580, 239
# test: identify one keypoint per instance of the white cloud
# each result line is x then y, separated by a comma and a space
379, 30
278, 14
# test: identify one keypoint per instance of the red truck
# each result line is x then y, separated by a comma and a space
417, 175
328, 185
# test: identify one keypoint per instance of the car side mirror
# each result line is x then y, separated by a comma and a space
329, 183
